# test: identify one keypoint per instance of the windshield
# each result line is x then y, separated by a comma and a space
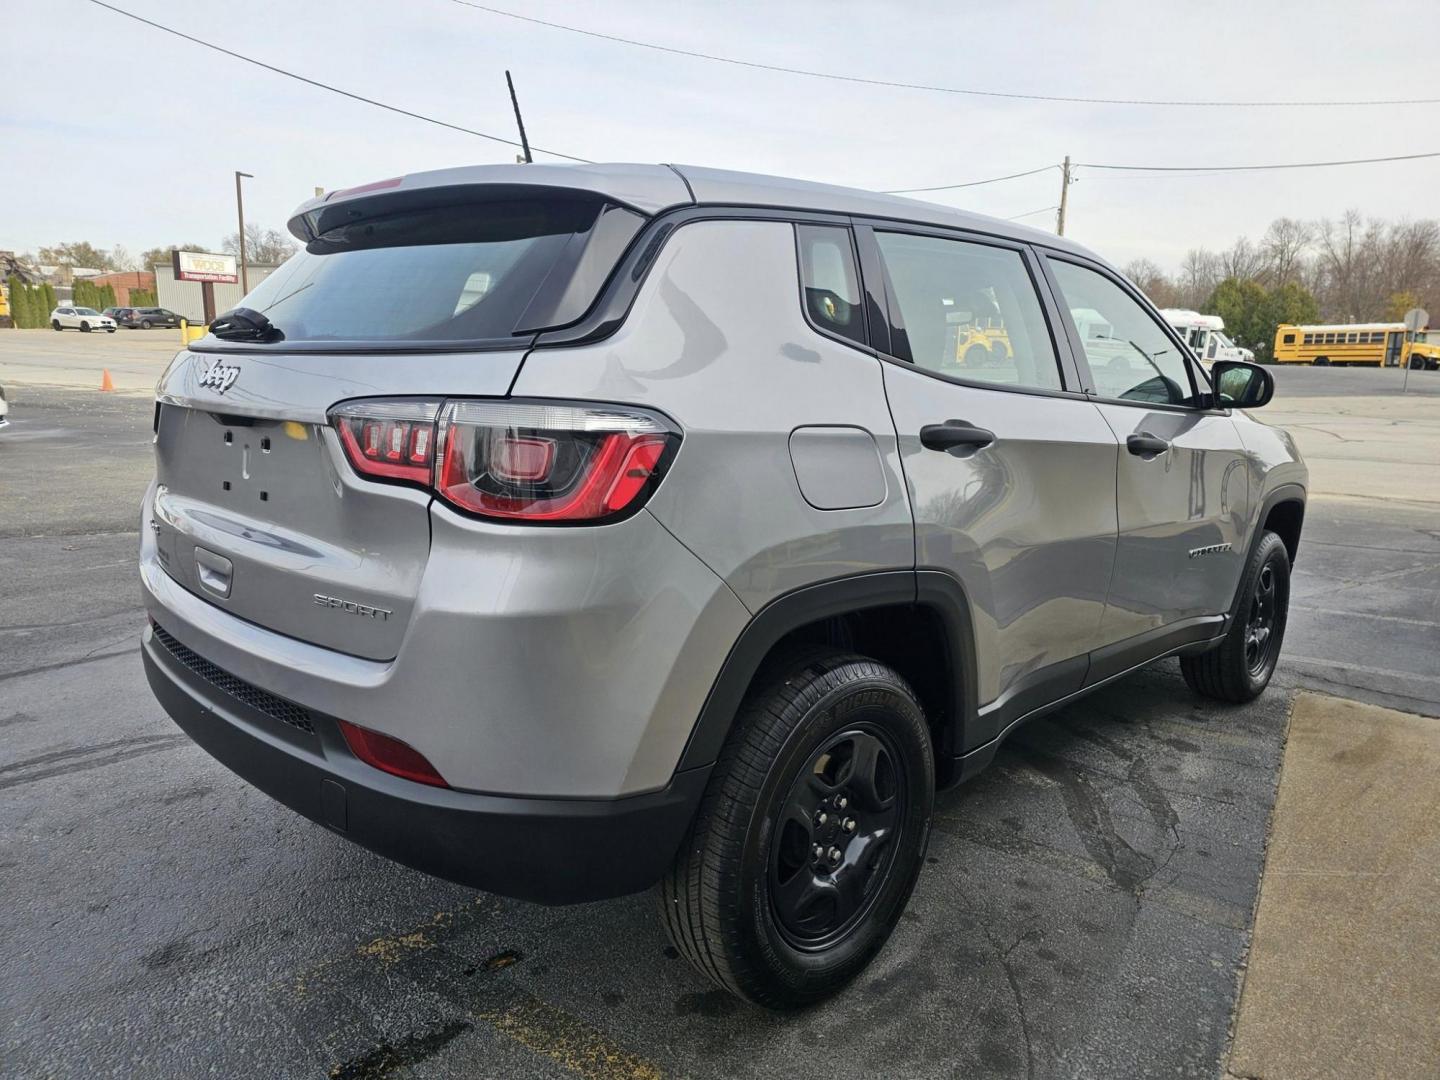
86, 311
1225, 341
449, 274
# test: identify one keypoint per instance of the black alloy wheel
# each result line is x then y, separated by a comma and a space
835, 844
1260, 625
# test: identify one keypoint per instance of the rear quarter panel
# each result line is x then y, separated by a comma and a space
717, 340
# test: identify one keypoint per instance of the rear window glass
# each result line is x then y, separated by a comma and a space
444, 275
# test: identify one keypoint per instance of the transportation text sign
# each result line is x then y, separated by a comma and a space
203, 266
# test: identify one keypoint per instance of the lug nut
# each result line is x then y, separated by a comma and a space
841, 803
821, 818
819, 851
834, 853
850, 824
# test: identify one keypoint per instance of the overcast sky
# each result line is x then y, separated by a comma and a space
116, 133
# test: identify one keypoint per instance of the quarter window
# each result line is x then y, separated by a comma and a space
830, 283
1130, 357
969, 311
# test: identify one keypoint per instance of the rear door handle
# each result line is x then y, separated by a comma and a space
1146, 445
954, 436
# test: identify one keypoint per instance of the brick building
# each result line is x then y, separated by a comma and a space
123, 282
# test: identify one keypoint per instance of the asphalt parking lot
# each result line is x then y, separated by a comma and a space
1086, 911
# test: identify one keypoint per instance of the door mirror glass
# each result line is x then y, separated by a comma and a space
1241, 386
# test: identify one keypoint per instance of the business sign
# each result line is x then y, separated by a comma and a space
203, 266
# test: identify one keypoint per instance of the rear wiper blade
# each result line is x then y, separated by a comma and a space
245, 324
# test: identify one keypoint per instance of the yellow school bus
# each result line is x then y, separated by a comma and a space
1381, 344
1342, 344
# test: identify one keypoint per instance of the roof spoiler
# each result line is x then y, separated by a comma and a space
646, 189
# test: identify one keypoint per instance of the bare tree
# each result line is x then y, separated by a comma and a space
1199, 274
1284, 248
261, 245
1152, 281
1349, 250
1243, 261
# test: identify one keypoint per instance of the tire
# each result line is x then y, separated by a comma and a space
756, 898
1239, 668
977, 356
145, 324
55, 325
1321, 361
84, 327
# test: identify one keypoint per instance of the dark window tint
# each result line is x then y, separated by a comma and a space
829, 280
1131, 358
473, 272
1289, 339
969, 311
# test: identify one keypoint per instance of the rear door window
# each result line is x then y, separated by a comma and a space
447, 275
970, 311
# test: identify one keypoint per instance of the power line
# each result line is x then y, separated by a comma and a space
1032, 213
937, 89
1175, 170
1257, 168
327, 86
969, 183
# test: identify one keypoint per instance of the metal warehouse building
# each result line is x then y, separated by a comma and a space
184, 297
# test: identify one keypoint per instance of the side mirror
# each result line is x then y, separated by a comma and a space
1239, 385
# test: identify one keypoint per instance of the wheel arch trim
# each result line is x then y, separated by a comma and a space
1282, 493
936, 590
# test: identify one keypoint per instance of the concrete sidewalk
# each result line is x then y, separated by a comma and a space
1344, 969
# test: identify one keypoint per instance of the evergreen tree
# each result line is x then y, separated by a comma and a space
39, 313
20, 304
51, 303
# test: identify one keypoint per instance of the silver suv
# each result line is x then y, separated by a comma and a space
566, 531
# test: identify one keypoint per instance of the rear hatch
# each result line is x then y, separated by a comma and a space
257, 508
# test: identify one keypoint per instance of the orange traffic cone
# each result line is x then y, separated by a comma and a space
106, 383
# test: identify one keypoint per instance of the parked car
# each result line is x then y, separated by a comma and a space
113, 312
4, 407
69, 317
147, 317
662, 538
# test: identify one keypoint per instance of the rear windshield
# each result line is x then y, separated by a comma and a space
470, 273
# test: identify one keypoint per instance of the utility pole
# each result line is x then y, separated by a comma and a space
1064, 196
240, 212
524, 142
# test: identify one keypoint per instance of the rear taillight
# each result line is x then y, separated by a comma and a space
538, 462
390, 755
541, 462
393, 439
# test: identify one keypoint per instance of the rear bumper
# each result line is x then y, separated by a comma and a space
552, 851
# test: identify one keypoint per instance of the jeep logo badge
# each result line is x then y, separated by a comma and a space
220, 377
